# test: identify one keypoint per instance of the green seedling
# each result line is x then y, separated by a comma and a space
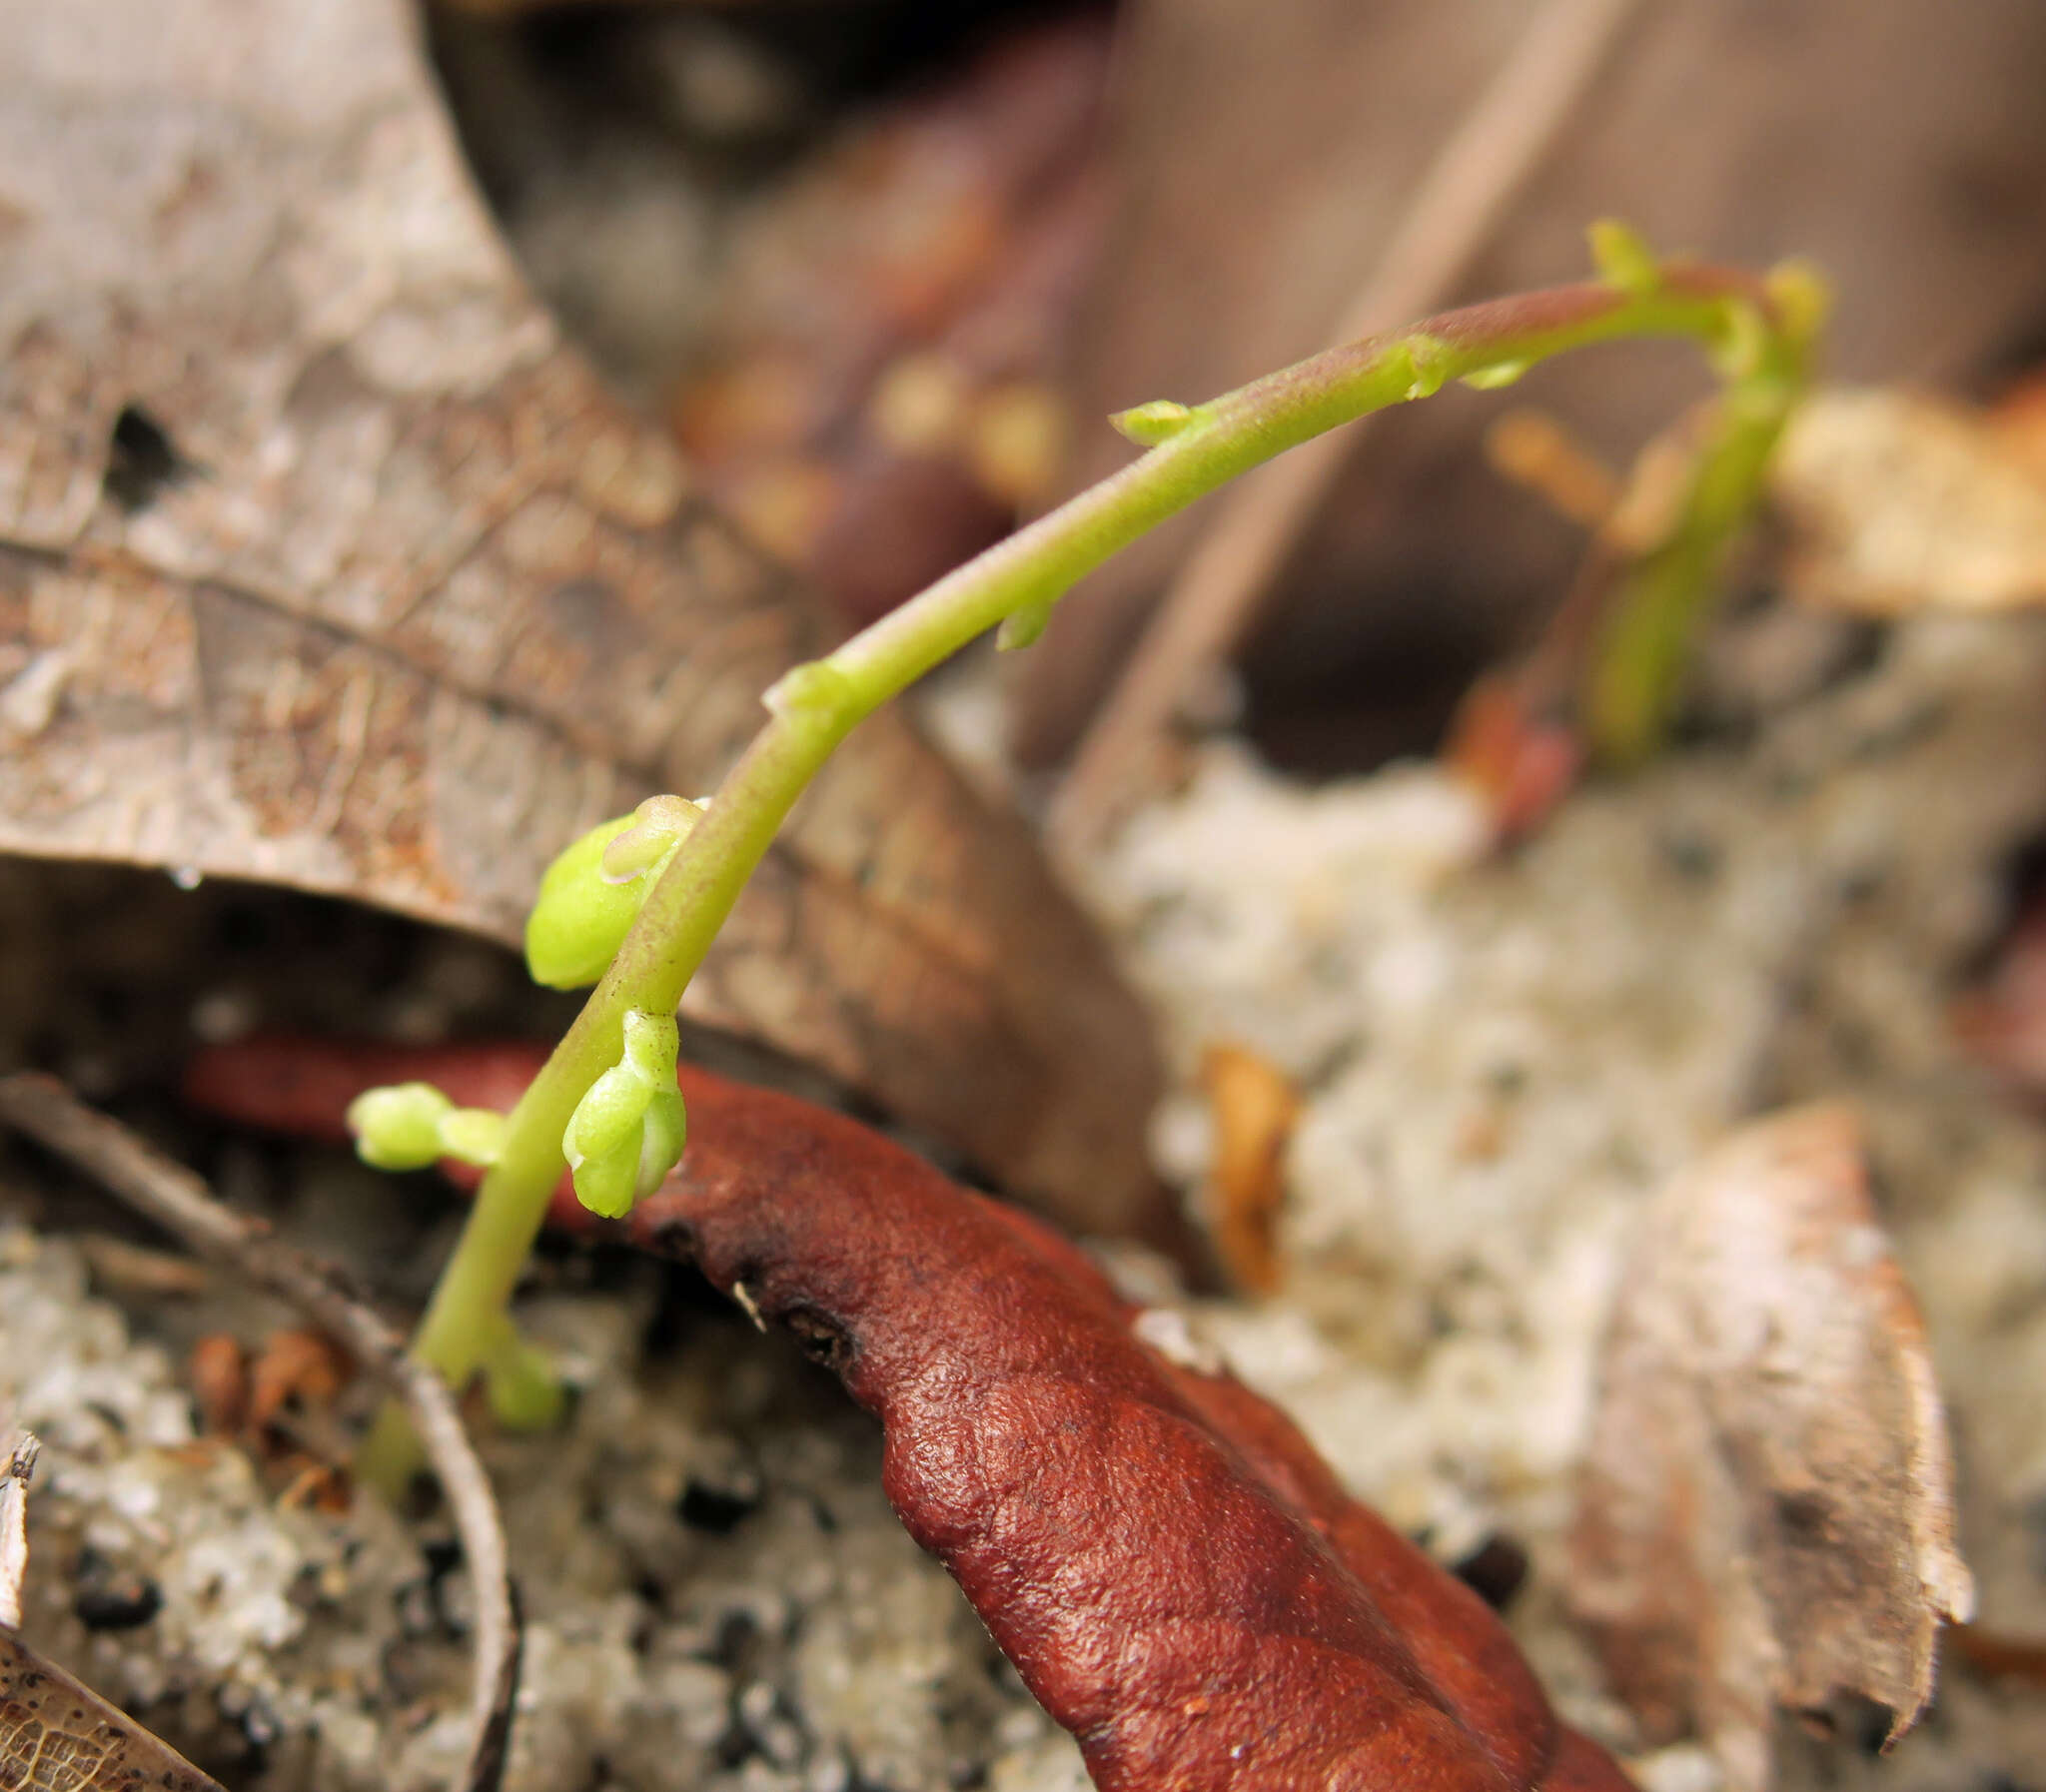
636, 904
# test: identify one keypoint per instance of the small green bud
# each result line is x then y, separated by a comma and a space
592, 893
398, 1127
1802, 295
814, 688
1149, 425
629, 1130
1503, 373
1022, 629
659, 826
1428, 365
1623, 259
1738, 350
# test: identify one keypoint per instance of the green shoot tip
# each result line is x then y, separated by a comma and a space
1623, 259
1149, 425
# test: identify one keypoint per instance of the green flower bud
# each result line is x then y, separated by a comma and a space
629, 1130
592, 894
816, 691
1802, 299
1623, 259
1021, 628
398, 1127
1427, 365
1149, 425
475, 1135
1501, 373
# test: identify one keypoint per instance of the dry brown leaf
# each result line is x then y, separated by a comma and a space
323, 561
1902, 503
56, 1731
1766, 1516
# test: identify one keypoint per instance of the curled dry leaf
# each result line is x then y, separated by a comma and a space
322, 561
1903, 503
1766, 1516
1178, 1577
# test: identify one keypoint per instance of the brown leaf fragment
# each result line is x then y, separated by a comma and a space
1902, 503
218, 1370
322, 561
1997, 1656
1253, 1109
295, 1365
57, 1732
2002, 1024
1766, 1515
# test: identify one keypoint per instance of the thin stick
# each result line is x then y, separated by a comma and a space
1211, 605
22, 1448
182, 1204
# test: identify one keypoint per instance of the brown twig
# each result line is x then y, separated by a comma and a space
1211, 604
178, 1201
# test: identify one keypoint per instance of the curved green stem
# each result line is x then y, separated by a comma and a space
816, 705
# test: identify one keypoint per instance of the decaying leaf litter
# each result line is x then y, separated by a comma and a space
412, 588
1487, 1135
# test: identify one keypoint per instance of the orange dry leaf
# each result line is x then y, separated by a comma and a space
2017, 424
1766, 1515
1253, 1109
219, 1372
296, 1368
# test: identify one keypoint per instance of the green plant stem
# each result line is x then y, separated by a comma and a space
1644, 640
816, 705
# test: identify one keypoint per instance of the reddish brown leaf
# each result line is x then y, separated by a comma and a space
1179, 1577
322, 561
1767, 1510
